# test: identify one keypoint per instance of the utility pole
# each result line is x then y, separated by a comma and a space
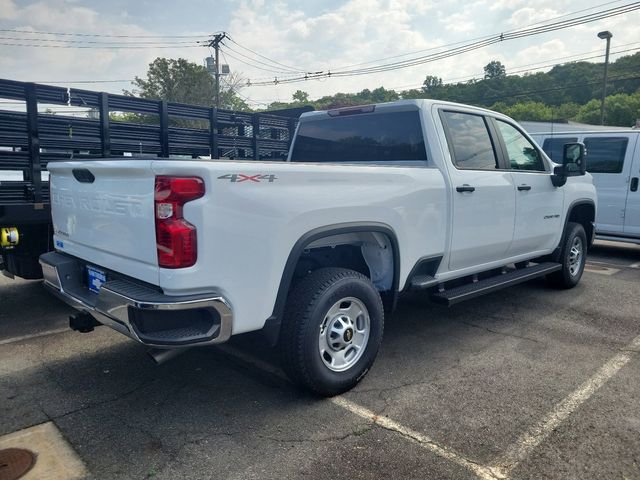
604, 35
215, 43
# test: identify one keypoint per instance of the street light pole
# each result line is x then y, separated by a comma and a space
604, 35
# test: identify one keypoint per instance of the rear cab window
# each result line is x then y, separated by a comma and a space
469, 141
394, 137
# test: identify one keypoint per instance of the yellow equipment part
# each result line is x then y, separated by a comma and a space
9, 237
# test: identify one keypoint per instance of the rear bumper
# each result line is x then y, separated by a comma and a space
138, 310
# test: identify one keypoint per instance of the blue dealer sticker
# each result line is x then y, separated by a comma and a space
95, 279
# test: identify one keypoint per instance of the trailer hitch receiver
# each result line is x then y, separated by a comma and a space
83, 322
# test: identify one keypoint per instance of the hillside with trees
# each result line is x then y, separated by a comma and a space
566, 92
570, 91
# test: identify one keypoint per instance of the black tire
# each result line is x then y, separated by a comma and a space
570, 274
306, 316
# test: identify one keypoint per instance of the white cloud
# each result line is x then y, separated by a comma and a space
307, 36
8, 10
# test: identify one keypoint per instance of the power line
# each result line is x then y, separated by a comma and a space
619, 77
547, 90
95, 42
265, 57
450, 80
254, 65
474, 39
427, 49
40, 45
505, 36
237, 92
84, 81
523, 70
98, 34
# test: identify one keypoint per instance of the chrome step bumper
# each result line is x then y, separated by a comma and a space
140, 311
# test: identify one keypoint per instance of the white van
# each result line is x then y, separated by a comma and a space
613, 158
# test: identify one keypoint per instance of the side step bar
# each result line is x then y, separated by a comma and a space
420, 282
472, 290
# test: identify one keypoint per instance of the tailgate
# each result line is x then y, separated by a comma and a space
103, 213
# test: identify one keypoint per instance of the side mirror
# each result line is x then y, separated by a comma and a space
574, 164
573, 159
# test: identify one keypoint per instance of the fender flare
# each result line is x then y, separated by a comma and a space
555, 256
272, 324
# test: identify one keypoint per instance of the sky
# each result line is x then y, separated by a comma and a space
308, 36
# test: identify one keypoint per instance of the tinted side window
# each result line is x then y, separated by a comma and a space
469, 141
378, 137
605, 154
554, 147
522, 154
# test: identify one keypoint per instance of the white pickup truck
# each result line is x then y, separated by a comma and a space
449, 199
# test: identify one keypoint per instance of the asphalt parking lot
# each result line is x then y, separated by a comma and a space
528, 382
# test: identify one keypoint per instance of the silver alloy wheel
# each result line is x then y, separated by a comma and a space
575, 256
344, 334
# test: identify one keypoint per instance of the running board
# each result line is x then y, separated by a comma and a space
420, 282
472, 290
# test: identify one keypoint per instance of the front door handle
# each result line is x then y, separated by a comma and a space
634, 184
466, 188
524, 187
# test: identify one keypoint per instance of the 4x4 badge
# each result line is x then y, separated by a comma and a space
241, 177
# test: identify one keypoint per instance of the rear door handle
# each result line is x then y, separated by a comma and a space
634, 184
524, 187
466, 188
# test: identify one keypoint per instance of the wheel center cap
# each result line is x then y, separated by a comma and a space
348, 335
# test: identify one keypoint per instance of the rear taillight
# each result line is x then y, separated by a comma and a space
175, 237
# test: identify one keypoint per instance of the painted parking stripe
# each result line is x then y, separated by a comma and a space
528, 442
33, 335
483, 472
600, 269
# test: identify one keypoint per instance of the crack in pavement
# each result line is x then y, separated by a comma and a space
497, 332
482, 471
333, 438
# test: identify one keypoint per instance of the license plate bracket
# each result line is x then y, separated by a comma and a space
95, 278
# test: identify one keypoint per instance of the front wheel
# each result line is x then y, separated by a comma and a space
573, 258
331, 331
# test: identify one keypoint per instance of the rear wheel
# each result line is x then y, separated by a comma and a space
331, 331
573, 258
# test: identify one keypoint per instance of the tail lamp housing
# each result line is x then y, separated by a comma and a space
176, 239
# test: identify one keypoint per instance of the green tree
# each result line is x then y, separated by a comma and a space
566, 111
182, 81
531, 111
300, 96
230, 96
620, 110
431, 83
589, 112
175, 80
494, 69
